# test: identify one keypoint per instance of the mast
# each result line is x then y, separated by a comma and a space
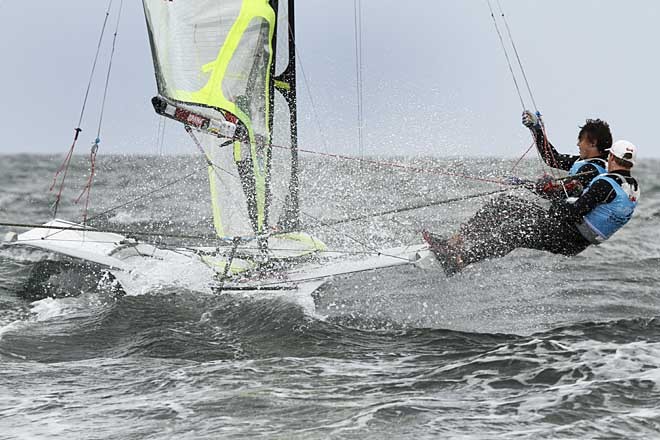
285, 83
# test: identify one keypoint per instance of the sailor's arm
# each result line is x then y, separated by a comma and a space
547, 151
600, 192
586, 174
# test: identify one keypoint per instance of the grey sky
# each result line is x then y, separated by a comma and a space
435, 78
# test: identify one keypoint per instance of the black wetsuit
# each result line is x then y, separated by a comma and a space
564, 161
507, 223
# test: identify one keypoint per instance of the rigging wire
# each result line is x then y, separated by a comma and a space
515, 50
128, 233
411, 208
309, 93
216, 168
143, 196
87, 190
547, 149
110, 231
318, 223
398, 166
357, 6
64, 167
161, 137
506, 54
178, 247
107, 78
96, 57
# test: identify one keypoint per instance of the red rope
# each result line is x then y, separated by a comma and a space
515, 165
64, 167
88, 186
550, 158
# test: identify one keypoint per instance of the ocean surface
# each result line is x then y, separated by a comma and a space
529, 346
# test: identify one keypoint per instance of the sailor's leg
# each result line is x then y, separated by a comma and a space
494, 212
559, 237
502, 225
514, 226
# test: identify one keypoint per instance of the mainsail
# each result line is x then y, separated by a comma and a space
215, 70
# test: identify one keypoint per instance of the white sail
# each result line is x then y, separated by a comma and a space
214, 57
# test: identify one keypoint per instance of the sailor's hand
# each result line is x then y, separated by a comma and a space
546, 181
573, 188
547, 186
530, 120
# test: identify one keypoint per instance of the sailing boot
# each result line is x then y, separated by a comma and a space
446, 251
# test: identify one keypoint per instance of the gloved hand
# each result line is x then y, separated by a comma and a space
573, 188
530, 120
547, 186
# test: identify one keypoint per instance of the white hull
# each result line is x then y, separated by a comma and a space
141, 267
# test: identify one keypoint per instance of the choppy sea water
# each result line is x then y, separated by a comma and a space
529, 346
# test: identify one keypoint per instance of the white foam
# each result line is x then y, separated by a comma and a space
166, 269
48, 308
12, 326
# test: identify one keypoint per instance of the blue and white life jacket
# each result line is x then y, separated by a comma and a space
607, 218
600, 164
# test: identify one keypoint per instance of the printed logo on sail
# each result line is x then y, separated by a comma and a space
195, 120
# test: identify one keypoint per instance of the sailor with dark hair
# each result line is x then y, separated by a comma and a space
567, 228
594, 139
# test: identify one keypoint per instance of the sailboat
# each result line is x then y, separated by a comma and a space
226, 71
